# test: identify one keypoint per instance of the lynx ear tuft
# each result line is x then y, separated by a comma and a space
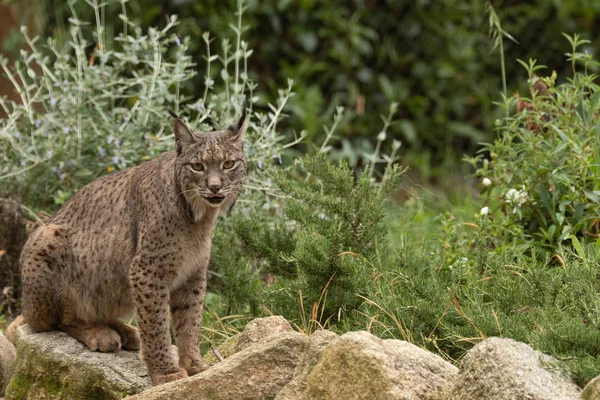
237, 131
183, 135
172, 113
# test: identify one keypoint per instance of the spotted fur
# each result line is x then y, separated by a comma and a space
137, 241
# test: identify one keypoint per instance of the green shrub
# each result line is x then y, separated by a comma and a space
454, 290
320, 252
542, 173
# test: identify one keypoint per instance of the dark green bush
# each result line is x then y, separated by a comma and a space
553, 307
320, 252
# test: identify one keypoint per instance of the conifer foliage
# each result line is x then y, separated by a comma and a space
320, 251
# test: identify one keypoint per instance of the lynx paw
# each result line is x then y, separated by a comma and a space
160, 379
104, 340
130, 338
133, 340
193, 367
196, 368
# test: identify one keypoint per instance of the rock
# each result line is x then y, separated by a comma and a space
7, 362
358, 365
317, 342
257, 372
226, 349
53, 365
505, 369
592, 390
260, 330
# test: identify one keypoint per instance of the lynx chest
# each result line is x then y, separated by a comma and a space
192, 256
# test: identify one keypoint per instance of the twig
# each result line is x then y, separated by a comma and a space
216, 353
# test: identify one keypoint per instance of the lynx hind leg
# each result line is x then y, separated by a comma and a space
130, 338
96, 337
45, 254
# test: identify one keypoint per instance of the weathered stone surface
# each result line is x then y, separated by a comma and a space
260, 330
504, 369
358, 365
53, 365
226, 349
7, 362
295, 390
592, 390
257, 372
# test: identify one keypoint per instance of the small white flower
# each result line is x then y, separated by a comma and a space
516, 198
485, 211
486, 182
381, 136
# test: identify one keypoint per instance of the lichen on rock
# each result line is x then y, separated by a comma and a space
295, 390
359, 365
592, 390
258, 372
226, 349
53, 365
504, 369
7, 362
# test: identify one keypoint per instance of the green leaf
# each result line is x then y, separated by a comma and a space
577, 246
545, 198
582, 110
593, 196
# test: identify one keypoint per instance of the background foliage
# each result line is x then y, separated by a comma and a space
432, 57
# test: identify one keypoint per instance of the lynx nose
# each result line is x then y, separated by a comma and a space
214, 184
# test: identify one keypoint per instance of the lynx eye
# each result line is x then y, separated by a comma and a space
197, 166
228, 164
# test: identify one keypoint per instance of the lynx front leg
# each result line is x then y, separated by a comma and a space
186, 310
151, 298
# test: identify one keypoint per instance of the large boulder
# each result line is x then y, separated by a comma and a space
258, 372
358, 365
7, 362
53, 365
225, 349
592, 390
296, 389
504, 369
259, 330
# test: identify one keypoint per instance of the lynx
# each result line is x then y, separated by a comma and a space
137, 240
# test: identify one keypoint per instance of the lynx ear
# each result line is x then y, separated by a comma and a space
237, 131
183, 134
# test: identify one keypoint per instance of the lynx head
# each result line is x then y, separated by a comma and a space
210, 166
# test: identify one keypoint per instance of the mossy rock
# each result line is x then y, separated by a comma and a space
226, 349
358, 365
592, 390
259, 330
53, 365
258, 372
